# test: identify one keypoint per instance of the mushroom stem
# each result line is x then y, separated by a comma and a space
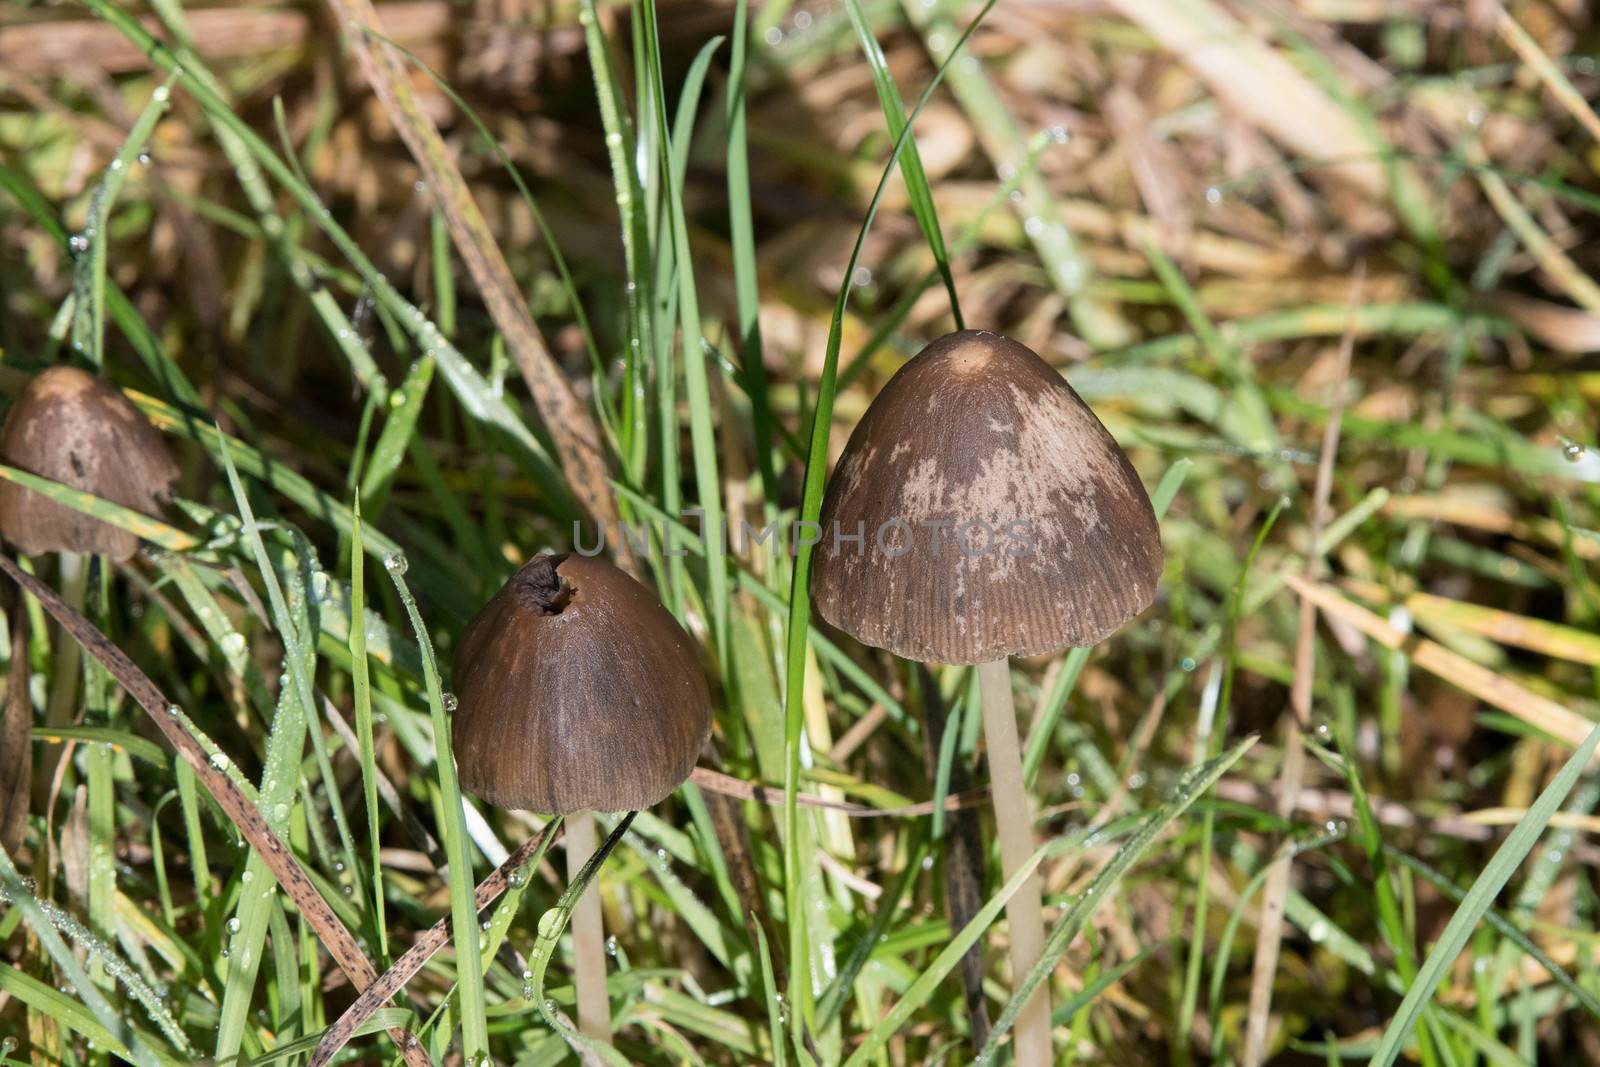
73, 575
1014, 819
588, 933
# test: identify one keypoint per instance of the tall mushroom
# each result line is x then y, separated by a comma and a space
578, 692
981, 511
74, 428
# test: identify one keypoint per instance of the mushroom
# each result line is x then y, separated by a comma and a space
578, 692
74, 428
981, 511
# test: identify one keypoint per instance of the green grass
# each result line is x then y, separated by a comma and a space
692, 207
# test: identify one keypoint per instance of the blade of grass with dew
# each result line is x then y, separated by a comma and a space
361, 694
1507, 858
928, 981
67, 1011
1194, 784
109, 512
441, 589
639, 352
703, 445
551, 923
799, 594
139, 336
399, 430
117, 1027
911, 171
102, 871
89, 273
453, 828
247, 929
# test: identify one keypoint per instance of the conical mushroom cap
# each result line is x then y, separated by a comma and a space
76, 429
1045, 537
577, 691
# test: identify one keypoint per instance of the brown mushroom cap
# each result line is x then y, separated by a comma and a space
978, 433
577, 691
76, 429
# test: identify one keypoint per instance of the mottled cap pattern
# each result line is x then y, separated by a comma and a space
74, 428
577, 691
999, 516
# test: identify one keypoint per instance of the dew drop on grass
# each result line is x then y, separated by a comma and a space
1318, 931
1336, 827
450, 702
1213, 196
396, 564
1573, 451
611, 946
233, 925
144, 159
1324, 731
220, 760
78, 243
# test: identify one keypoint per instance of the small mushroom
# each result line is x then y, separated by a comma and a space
73, 428
578, 692
981, 511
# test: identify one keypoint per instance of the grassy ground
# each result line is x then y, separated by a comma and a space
1325, 269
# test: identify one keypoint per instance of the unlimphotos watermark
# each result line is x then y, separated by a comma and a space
892, 538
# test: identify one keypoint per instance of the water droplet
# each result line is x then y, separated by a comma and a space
1475, 116
220, 760
78, 243
773, 36
348, 890
1336, 827
449, 702
397, 399
226, 953
115, 165
174, 710
861, 277
1213, 195
1059, 134
1033, 226
611, 945
338, 866
1574, 451
144, 159
1318, 931
396, 564
518, 877
233, 644
1324, 731
233, 925
162, 94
